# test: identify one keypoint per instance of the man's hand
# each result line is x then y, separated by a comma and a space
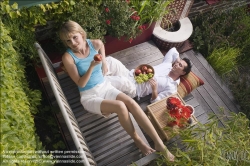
177, 61
154, 87
153, 84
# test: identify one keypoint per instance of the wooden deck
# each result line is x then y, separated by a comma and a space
108, 142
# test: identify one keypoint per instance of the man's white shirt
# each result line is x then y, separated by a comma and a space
122, 79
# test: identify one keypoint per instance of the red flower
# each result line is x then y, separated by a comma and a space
108, 22
172, 102
133, 17
130, 40
178, 112
127, 1
186, 113
140, 27
107, 9
175, 113
173, 123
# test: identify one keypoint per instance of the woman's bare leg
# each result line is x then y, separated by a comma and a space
145, 123
118, 107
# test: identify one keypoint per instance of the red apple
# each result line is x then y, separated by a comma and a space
137, 72
149, 70
98, 57
144, 68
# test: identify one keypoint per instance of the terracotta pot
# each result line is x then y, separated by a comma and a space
190, 108
113, 44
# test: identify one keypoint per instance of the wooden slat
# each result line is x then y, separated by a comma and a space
215, 85
213, 95
214, 75
124, 160
145, 53
96, 124
120, 141
101, 137
145, 160
111, 159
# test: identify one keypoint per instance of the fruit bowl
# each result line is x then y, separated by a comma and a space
143, 73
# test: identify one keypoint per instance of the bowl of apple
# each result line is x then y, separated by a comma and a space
143, 73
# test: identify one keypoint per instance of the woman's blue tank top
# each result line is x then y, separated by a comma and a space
83, 64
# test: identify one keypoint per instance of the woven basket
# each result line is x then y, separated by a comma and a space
165, 45
177, 9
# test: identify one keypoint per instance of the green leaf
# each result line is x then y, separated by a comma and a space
14, 6
8, 8
43, 7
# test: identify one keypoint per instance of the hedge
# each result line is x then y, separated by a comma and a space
19, 141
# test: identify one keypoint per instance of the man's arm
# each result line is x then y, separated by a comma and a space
163, 95
171, 56
171, 89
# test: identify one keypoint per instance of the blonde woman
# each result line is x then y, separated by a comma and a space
97, 95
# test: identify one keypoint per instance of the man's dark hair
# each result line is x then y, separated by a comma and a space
187, 69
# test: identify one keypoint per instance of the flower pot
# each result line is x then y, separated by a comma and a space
167, 39
190, 108
210, 2
113, 44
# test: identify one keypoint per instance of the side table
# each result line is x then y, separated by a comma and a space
157, 115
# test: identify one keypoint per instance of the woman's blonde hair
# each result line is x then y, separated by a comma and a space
69, 28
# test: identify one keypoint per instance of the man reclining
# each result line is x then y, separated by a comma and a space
164, 83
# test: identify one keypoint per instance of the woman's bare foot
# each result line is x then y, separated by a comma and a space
165, 152
145, 149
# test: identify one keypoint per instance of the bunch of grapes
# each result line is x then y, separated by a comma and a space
143, 77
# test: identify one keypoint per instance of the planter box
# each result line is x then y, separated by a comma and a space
210, 2
113, 44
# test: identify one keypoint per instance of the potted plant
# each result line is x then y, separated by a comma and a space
131, 21
178, 114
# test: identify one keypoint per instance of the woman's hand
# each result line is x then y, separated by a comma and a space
94, 63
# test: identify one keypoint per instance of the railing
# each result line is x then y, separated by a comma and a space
67, 113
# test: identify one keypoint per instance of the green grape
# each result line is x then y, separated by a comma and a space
143, 77
150, 75
138, 79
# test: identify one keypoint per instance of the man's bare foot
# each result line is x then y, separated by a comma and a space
165, 152
145, 149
